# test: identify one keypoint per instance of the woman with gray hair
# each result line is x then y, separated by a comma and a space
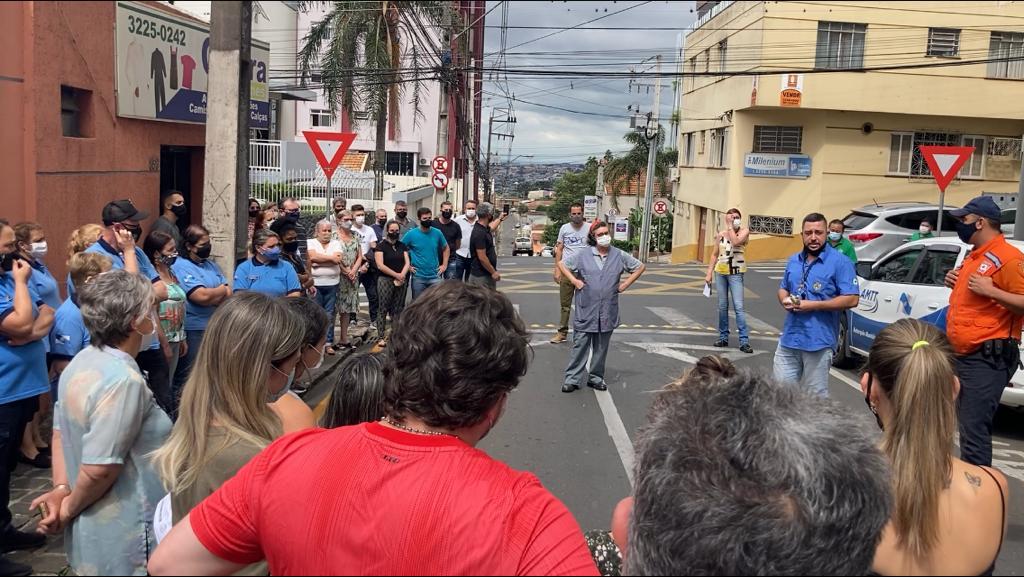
325, 259
106, 422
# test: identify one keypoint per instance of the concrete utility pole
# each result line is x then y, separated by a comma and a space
226, 172
652, 131
1018, 226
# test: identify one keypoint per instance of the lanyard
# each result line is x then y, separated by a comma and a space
802, 288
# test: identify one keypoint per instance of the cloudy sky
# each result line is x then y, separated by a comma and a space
553, 135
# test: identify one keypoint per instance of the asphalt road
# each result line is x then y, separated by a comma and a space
580, 445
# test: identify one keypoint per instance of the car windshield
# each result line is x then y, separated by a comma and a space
858, 220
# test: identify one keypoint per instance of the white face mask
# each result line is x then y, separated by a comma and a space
470, 214
319, 363
925, 229
346, 224
39, 250
737, 223
360, 220
604, 241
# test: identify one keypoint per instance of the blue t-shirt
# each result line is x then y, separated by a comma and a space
424, 250
45, 285
825, 278
145, 269
192, 276
68, 336
276, 279
23, 371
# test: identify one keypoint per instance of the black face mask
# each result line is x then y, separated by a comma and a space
169, 260
446, 214
290, 247
254, 213
402, 214
382, 221
203, 252
425, 223
392, 236
292, 216
136, 232
7, 262
180, 210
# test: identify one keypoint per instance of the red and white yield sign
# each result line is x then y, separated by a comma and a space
440, 164
945, 162
439, 180
660, 207
329, 148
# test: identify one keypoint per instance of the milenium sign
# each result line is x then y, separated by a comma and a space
777, 165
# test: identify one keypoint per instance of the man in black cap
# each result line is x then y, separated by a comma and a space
986, 312
175, 211
121, 233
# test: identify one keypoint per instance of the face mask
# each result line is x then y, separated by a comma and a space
136, 232
382, 221
39, 250
284, 390
446, 214
203, 252
152, 330
7, 262
604, 241
360, 220
292, 216
835, 236
425, 223
179, 210
272, 254
319, 363
169, 260
402, 214
346, 224
925, 229
291, 247
393, 235
254, 213
965, 231
471, 213
737, 223
576, 219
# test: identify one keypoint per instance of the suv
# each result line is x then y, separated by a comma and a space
523, 245
877, 229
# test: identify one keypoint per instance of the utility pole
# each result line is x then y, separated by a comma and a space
1018, 226
226, 171
500, 116
652, 131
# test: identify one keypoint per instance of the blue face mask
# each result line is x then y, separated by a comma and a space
835, 236
272, 254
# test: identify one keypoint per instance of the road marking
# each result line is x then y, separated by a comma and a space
852, 382
674, 317
775, 278
677, 351
759, 325
667, 330
617, 431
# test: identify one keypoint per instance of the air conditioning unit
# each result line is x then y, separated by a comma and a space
674, 174
424, 162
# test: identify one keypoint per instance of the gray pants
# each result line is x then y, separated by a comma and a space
582, 344
483, 281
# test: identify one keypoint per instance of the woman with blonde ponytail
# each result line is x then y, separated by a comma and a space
949, 516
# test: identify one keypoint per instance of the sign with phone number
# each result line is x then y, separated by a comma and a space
150, 29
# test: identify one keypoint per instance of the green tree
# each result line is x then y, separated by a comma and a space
369, 57
633, 165
570, 188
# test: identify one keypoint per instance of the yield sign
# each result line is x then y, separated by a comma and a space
945, 162
329, 148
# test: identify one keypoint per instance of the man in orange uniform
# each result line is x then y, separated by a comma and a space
984, 323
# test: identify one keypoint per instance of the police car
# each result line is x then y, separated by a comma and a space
909, 282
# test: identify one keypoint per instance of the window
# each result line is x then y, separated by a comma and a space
840, 45
973, 168
719, 147
910, 221
689, 151
781, 139
937, 261
858, 220
943, 42
721, 55
1006, 52
777, 225
400, 163
693, 70
320, 117
75, 114
707, 60
918, 165
898, 267
901, 149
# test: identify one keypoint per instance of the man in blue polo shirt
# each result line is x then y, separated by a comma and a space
819, 283
122, 229
429, 252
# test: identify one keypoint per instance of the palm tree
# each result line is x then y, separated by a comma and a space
370, 55
633, 166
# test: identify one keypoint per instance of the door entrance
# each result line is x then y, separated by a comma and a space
703, 235
176, 174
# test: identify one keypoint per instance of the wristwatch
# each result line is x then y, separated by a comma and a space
64, 486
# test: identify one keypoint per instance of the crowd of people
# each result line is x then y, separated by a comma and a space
173, 405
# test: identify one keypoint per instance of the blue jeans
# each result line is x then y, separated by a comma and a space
327, 297
809, 369
420, 284
726, 285
455, 268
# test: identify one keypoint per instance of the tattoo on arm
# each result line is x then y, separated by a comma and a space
973, 480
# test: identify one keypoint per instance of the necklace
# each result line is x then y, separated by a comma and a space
402, 427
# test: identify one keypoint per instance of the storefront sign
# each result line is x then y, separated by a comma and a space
163, 61
777, 165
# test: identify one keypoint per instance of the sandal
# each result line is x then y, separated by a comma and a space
329, 350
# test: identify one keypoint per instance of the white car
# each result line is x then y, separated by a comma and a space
909, 282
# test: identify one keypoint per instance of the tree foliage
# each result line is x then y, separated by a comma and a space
570, 188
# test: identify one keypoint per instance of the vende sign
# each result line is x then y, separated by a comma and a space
163, 65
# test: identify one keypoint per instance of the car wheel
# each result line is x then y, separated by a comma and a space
843, 359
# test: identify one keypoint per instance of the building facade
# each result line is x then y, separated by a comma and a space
789, 108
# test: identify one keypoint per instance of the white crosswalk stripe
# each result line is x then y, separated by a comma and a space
756, 324
675, 317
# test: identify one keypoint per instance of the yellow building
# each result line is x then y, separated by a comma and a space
843, 95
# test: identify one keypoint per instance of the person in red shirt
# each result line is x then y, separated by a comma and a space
405, 495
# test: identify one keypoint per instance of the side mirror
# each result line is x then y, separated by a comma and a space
864, 269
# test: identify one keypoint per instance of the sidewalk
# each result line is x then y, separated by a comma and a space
27, 483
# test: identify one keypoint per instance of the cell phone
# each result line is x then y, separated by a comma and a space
506, 208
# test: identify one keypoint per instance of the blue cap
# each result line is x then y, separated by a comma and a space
982, 206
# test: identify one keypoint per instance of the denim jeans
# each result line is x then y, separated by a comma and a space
455, 268
809, 369
420, 284
726, 285
184, 368
327, 297
577, 373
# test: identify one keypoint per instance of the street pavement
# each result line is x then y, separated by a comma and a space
580, 444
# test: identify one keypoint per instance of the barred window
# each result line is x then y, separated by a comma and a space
840, 45
943, 42
776, 225
779, 139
